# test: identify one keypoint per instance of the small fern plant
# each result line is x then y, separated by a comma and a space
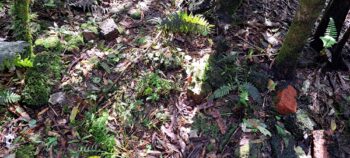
330, 36
182, 22
8, 97
222, 91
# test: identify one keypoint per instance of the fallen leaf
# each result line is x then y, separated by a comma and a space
216, 114
271, 85
333, 125
73, 114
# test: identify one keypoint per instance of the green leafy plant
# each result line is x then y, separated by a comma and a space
8, 97
243, 97
23, 63
51, 142
182, 22
255, 125
222, 91
330, 36
252, 91
152, 86
98, 129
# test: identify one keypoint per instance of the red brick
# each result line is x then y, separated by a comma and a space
286, 101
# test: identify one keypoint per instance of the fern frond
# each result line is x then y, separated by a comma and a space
222, 91
90, 149
331, 29
253, 92
8, 97
330, 36
186, 23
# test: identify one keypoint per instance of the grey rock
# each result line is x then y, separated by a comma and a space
109, 30
57, 98
8, 50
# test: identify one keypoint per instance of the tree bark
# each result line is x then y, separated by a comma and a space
22, 24
298, 33
337, 57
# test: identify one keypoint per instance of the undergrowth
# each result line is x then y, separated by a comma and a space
152, 86
97, 127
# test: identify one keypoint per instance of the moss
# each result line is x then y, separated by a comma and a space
51, 42
46, 69
36, 93
26, 151
22, 23
74, 42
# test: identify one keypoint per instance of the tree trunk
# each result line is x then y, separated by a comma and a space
21, 24
336, 9
298, 33
337, 57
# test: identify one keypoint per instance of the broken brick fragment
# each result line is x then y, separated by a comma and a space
319, 144
286, 101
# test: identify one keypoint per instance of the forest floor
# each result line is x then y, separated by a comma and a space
141, 81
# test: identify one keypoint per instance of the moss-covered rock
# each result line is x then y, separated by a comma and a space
39, 79
51, 42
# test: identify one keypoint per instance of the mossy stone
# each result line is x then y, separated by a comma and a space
51, 42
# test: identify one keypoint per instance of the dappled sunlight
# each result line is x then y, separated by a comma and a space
166, 78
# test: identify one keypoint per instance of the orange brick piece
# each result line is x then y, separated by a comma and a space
286, 101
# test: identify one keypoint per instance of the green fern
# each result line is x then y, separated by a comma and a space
186, 23
98, 129
222, 91
253, 92
330, 36
8, 97
90, 149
